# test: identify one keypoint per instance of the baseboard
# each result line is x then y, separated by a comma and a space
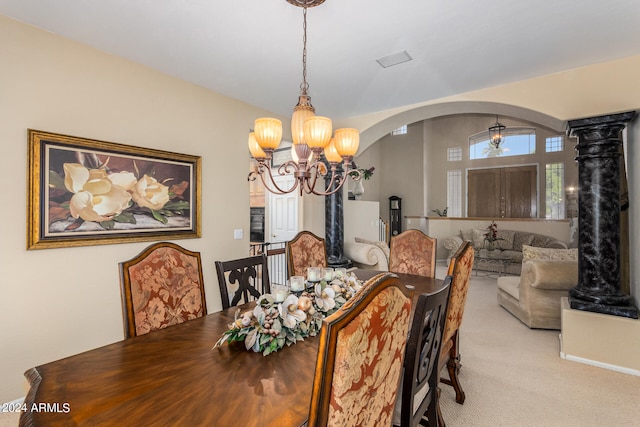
608, 366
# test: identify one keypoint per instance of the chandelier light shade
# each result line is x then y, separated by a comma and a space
496, 134
268, 133
312, 137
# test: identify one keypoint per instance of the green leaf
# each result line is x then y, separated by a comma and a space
159, 217
177, 205
108, 225
125, 217
55, 180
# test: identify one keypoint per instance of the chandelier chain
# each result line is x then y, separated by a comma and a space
304, 86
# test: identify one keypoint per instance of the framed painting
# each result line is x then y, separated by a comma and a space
86, 192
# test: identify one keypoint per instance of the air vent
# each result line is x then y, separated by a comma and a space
394, 59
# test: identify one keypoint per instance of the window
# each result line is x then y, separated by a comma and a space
554, 194
454, 193
454, 154
555, 143
402, 130
516, 142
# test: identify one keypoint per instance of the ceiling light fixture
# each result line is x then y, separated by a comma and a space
311, 136
496, 135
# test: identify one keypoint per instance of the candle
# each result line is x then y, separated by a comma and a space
313, 274
296, 283
279, 292
328, 274
341, 272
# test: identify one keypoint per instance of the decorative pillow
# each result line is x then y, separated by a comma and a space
467, 235
361, 240
520, 239
505, 239
531, 252
478, 238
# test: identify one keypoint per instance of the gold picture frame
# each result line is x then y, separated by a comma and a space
85, 192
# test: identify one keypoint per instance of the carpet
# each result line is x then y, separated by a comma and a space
514, 376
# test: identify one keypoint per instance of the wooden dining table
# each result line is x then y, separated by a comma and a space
172, 377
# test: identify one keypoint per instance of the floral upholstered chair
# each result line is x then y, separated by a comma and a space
413, 252
460, 270
305, 250
160, 287
360, 356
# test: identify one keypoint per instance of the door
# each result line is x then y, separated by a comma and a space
503, 192
283, 212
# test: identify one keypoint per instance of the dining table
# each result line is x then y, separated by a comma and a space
173, 377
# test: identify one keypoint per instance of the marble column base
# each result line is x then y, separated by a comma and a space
335, 262
616, 304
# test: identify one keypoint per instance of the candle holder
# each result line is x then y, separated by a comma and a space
313, 274
279, 292
340, 272
296, 283
327, 274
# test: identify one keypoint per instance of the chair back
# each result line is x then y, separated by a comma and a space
418, 394
305, 250
460, 269
413, 252
250, 275
360, 356
160, 287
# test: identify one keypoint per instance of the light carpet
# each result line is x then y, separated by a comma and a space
514, 376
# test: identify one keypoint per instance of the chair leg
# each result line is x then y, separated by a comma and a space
439, 417
453, 367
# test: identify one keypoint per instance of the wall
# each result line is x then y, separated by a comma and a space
447, 132
59, 302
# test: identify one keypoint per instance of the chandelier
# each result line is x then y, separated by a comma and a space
496, 135
312, 137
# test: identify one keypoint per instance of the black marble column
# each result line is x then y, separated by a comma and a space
334, 227
599, 156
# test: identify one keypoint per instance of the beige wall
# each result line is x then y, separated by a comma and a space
58, 302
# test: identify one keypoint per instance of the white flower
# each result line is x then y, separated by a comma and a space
290, 312
325, 297
99, 207
149, 193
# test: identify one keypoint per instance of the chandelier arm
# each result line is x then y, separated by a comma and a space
272, 186
339, 184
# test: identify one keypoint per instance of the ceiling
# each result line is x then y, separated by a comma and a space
252, 49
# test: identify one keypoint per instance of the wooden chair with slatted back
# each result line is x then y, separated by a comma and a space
460, 268
160, 287
250, 275
413, 252
305, 250
418, 400
360, 356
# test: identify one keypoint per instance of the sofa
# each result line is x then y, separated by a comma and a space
367, 255
509, 245
534, 296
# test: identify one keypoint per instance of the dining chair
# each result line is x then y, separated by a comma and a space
413, 252
305, 250
360, 356
460, 271
160, 287
250, 275
417, 402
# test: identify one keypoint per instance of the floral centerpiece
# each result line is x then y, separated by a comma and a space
491, 236
271, 325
